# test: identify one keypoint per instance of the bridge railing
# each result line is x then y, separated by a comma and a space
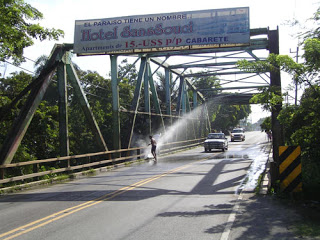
78, 163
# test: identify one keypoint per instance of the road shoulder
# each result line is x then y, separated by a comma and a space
267, 217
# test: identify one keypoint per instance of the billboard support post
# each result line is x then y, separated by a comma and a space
277, 133
63, 108
115, 103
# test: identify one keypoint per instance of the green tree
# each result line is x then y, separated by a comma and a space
302, 128
40, 140
127, 72
17, 30
40, 63
302, 122
206, 85
229, 117
266, 124
99, 94
161, 89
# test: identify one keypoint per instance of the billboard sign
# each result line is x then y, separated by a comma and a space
163, 32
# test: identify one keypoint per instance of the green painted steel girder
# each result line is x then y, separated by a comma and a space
137, 90
155, 98
195, 99
136, 97
146, 88
230, 99
168, 91
232, 88
63, 109
180, 95
259, 31
183, 98
115, 103
75, 82
179, 73
204, 65
208, 74
255, 44
21, 124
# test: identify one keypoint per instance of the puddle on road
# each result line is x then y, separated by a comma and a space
256, 168
258, 155
231, 156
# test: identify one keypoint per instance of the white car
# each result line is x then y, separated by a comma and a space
238, 134
216, 141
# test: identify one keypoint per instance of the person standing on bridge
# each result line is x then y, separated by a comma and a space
153, 144
269, 135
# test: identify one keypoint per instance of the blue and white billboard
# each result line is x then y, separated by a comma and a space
163, 32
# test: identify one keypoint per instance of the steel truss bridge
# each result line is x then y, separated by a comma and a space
179, 68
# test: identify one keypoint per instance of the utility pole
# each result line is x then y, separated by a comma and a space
296, 89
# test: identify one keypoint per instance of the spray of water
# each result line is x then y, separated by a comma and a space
180, 126
186, 123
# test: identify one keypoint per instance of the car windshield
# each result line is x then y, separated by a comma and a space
237, 131
215, 136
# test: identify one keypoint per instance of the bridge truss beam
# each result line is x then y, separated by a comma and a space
224, 64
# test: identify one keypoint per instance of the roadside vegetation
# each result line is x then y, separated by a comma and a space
301, 121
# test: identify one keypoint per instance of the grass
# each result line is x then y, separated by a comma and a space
127, 164
62, 177
258, 187
90, 172
308, 229
309, 225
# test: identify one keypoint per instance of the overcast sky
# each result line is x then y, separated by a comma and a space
61, 14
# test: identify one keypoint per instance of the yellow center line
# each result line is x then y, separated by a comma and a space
61, 214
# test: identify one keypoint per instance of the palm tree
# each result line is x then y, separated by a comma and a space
40, 63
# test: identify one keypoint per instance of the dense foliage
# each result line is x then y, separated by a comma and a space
17, 30
302, 122
229, 116
302, 128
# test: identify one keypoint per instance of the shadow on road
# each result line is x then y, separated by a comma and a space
262, 217
204, 187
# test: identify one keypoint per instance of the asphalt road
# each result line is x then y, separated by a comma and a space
186, 195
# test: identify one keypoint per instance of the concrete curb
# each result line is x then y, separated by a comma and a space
266, 180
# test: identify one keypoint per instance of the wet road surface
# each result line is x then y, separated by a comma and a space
186, 195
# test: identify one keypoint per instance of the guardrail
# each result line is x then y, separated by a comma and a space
98, 159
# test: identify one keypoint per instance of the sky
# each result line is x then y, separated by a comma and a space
61, 14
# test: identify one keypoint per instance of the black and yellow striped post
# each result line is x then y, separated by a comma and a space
290, 169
